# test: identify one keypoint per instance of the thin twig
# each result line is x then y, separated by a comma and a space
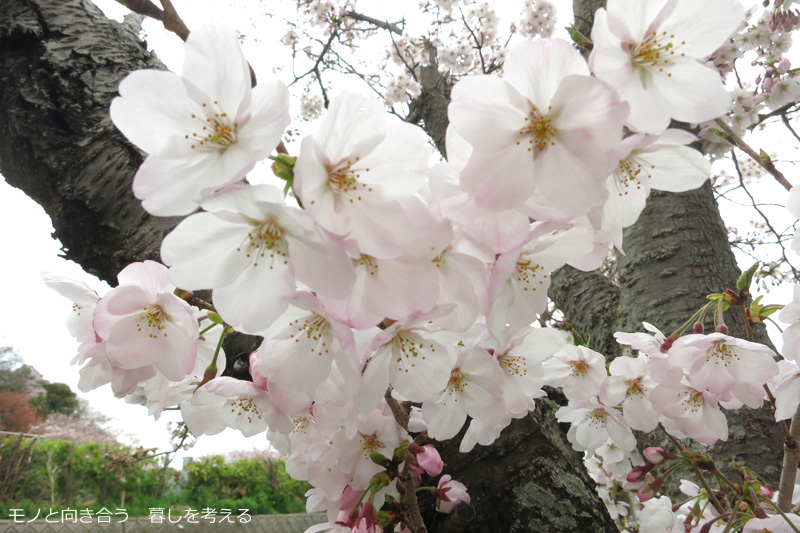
765, 163
394, 28
711, 496
173, 22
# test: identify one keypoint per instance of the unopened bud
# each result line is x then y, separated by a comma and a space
657, 455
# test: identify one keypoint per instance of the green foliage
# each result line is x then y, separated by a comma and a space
59, 398
62, 474
263, 486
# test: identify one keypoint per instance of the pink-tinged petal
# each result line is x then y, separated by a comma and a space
268, 116
176, 187
609, 60
257, 296
648, 112
537, 68
501, 180
151, 276
568, 178
639, 414
166, 187
591, 108
419, 372
122, 301
155, 113
325, 269
297, 360
252, 202
353, 127
625, 202
631, 20
696, 34
374, 382
214, 62
445, 418
202, 251
614, 390
693, 91
487, 112
399, 172
675, 168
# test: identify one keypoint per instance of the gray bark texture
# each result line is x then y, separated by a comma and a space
60, 63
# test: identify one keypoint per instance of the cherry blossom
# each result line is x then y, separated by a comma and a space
203, 130
450, 494
546, 126
630, 385
351, 174
143, 323
578, 370
474, 389
84, 300
250, 248
649, 51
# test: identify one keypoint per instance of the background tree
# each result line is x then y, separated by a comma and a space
60, 64
16, 413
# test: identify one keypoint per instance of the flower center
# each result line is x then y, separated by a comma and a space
635, 387
629, 173
343, 180
654, 52
597, 419
692, 400
579, 368
513, 364
314, 328
214, 131
457, 383
368, 262
722, 353
154, 319
247, 407
539, 131
529, 275
265, 240
370, 444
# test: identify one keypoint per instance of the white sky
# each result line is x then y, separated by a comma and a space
33, 317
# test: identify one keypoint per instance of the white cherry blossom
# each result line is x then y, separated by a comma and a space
203, 130
650, 52
251, 249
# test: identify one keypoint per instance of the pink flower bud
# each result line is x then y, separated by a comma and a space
657, 455
350, 498
639, 472
428, 458
697, 329
646, 492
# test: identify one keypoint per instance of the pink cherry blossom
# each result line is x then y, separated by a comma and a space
546, 126
450, 494
143, 323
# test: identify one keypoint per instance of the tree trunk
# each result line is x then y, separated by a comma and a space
60, 64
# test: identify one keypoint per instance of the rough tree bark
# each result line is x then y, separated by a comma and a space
60, 63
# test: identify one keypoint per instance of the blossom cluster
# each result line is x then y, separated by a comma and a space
399, 281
